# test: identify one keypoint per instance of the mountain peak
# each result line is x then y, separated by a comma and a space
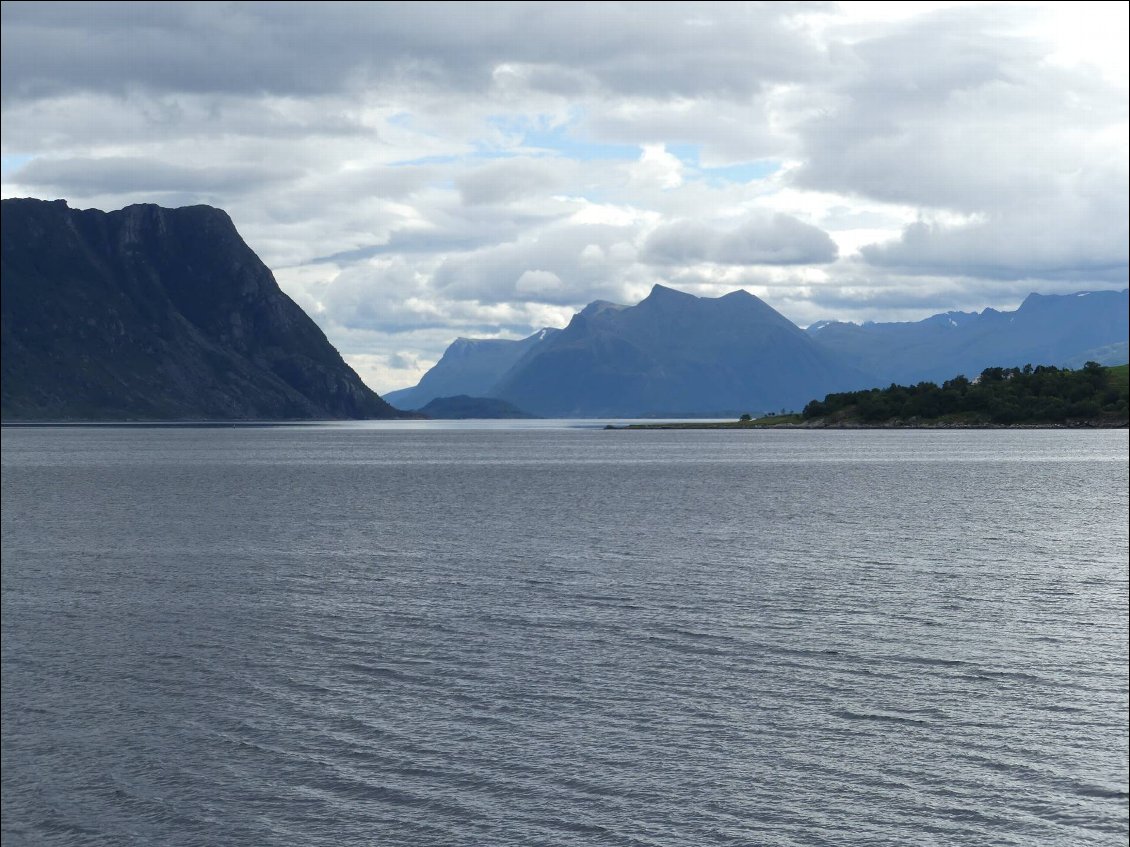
663, 294
819, 325
598, 306
673, 352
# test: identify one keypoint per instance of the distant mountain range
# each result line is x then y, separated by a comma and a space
470, 366
1062, 330
166, 314
156, 314
674, 354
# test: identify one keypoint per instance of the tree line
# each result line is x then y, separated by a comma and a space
1040, 394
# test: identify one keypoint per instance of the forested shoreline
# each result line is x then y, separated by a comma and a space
1041, 394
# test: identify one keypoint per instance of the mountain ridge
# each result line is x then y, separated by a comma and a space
873, 353
149, 313
468, 367
671, 352
1064, 330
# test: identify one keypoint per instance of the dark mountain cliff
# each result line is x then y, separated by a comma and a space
157, 314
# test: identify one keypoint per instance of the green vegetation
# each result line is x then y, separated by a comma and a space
778, 419
1030, 396
1092, 395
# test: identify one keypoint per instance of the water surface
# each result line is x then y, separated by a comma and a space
563, 636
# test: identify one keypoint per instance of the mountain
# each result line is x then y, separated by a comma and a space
679, 355
470, 366
463, 407
1060, 330
150, 313
675, 354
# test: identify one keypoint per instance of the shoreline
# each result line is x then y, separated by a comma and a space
820, 425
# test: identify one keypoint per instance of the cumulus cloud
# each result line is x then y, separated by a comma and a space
741, 132
948, 111
1005, 249
538, 285
761, 240
657, 167
512, 179
566, 264
1065, 235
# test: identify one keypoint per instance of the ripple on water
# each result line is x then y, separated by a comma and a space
275, 637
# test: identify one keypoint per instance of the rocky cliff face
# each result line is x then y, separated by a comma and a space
156, 314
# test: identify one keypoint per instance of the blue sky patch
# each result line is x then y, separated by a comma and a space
538, 133
449, 159
559, 140
743, 172
11, 164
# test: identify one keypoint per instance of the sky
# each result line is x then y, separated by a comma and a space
413, 173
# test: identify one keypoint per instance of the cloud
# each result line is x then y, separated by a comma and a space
722, 49
741, 132
564, 264
510, 180
658, 167
1075, 235
537, 285
999, 250
760, 240
950, 111
125, 174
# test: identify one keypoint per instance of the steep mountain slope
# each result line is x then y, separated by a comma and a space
674, 353
156, 314
470, 366
1060, 330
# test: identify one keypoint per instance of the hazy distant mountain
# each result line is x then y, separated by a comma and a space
156, 314
678, 354
463, 407
674, 353
1061, 330
470, 366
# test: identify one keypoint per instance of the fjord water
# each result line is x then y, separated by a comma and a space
349, 635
